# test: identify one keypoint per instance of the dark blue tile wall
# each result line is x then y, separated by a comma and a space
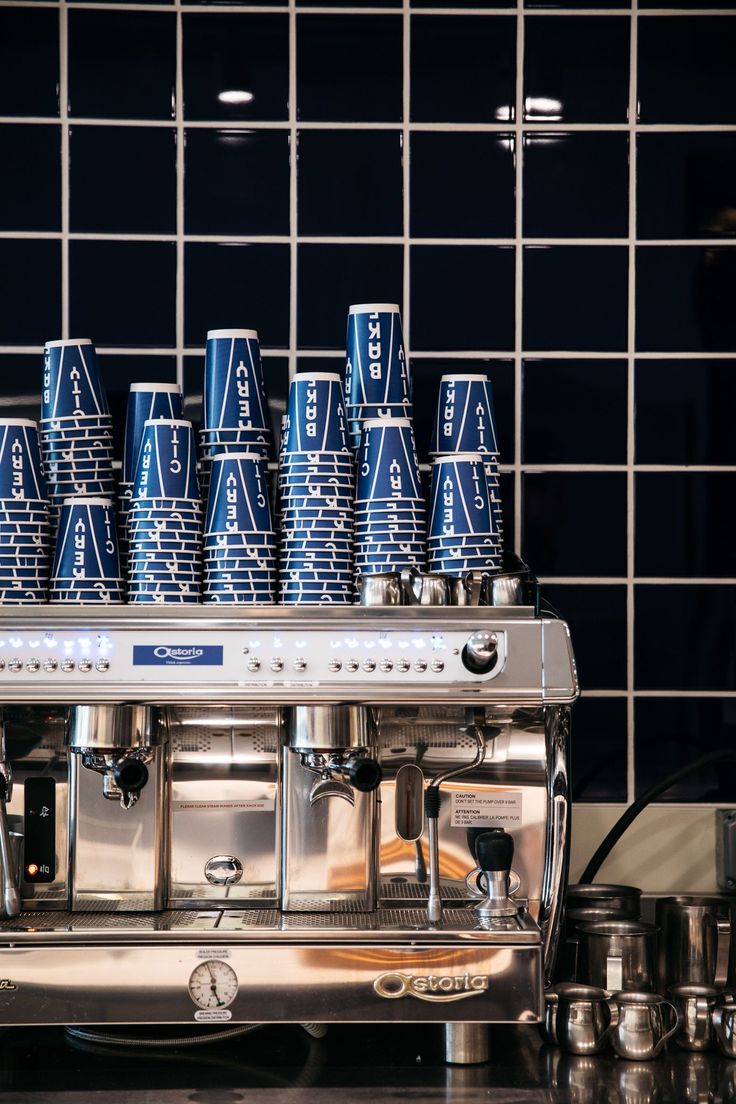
548, 188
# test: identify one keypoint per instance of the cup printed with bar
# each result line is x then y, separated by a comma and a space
377, 383
24, 515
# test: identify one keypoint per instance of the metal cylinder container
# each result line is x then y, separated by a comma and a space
115, 727
330, 727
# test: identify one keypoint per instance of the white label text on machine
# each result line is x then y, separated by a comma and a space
484, 809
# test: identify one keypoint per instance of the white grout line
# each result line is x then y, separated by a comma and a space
293, 238
641, 580
180, 185
406, 177
518, 279
65, 167
631, 418
348, 9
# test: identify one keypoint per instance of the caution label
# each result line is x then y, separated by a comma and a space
483, 809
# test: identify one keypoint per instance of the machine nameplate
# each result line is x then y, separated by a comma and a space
430, 987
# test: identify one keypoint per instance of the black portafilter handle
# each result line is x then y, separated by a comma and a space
472, 834
494, 850
130, 775
365, 774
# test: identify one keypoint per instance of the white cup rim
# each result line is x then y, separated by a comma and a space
236, 456
87, 500
167, 422
374, 308
19, 422
317, 376
476, 377
465, 456
58, 343
168, 388
394, 422
252, 334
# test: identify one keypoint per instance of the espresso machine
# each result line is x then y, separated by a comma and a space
314, 815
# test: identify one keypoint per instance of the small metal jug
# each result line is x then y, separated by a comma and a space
382, 589
618, 954
583, 1018
696, 1004
724, 1026
425, 589
639, 1026
694, 943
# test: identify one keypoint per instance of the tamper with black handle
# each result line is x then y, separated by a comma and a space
494, 852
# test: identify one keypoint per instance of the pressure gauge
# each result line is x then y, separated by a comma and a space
213, 984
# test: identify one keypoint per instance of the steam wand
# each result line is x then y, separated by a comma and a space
10, 904
432, 812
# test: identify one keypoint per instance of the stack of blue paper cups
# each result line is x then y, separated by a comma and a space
376, 370
316, 487
76, 427
165, 517
234, 408
146, 402
466, 422
390, 516
24, 515
462, 531
86, 564
239, 541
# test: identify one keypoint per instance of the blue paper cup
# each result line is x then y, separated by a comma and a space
87, 541
20, 461
387, 462
234, 393
465, 419
147, 402
167, 462
238, 496
72, 386
315, 416
459, 497
237, 598
376, 371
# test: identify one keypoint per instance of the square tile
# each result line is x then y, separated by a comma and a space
671, 732
105, 192
575, 297
236, 181
426, 376
122, 64
667, 619
30, 183
462, 185
123, 292
21, 374
686, 69
275, 377
463, 69
372, 204
462, 297
683, 525
508, 508
576, 185
227, 284
118, 372
597, 619
578, 3
599, 750
686, 185
333, 364
349, 67
576, 69
30, 291
684, 298
236, 66
574, 523
575, 412
331, 277
29, 61
684, 411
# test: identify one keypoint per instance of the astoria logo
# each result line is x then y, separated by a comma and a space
181, 655
6, 983
430, 987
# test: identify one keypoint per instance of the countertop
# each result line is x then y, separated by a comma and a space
352, 1063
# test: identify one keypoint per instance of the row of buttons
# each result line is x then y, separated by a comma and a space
50, 665
352, 665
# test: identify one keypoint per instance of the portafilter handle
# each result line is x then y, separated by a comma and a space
494, 851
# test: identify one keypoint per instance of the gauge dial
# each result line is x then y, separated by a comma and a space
213, 984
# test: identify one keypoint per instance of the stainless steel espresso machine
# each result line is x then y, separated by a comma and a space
316, 815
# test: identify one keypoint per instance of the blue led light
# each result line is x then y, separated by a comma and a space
254, 643
369, 643
50, 642
34, 643
403, 643
336, 643
300, 643
419, 643
385, 642
278, 642
352, 642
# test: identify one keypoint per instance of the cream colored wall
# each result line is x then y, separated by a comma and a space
667, 849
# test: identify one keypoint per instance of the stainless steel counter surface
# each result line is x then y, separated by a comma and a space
361, 1063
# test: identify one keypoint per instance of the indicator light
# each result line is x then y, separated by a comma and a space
34, 643
15, 641
32, 870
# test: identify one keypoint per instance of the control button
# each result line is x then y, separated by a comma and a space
33, 665
254, 665
2, 664
102, 665
300, 665
334, 665
67, 665
352, 665
85, 665
403, 665
420, 665
15, 665
437, 665
277, 664
369, 664
246, 651
387, 665
50, 665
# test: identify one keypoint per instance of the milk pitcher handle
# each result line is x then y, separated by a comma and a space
409, 576
614, 1013
723, 948
673, 1029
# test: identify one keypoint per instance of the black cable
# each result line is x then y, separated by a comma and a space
623, 822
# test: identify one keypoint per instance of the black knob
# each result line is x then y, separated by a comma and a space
365, 774
130, 775
472, 835
480, 654
494, 851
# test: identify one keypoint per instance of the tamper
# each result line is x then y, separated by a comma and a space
494, 852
